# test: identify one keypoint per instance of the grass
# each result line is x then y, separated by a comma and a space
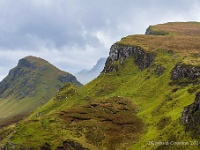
128, 109
152, 105
178, 28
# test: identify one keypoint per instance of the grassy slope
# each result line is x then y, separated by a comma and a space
157, 103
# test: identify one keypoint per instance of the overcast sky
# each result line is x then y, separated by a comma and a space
74, 34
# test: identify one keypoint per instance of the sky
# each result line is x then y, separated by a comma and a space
74, 34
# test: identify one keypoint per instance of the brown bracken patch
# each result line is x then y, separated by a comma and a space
110, 123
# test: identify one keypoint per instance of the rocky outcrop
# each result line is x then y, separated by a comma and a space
189, 111
191, 116
24, 62
66, 78
184, 74
158, 70
69, 78
25, 66
120, 52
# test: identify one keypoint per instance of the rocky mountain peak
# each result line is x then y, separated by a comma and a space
27, 64
32, 62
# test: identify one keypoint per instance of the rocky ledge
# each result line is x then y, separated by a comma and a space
191, 116
183, 74
120, 52
190, 110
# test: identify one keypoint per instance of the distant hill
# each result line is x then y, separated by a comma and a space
30, 85
86, 76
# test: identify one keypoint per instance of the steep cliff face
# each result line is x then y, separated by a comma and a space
190, 110
183, 74
185, 71
191, 116
188, 75
120, 52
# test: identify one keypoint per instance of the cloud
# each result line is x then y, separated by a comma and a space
74, 34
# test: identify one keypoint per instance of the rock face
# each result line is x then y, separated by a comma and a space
191, 116
185, 74
24, 62
120, 52
69, 78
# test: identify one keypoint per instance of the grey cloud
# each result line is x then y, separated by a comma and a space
75, 33
62, 25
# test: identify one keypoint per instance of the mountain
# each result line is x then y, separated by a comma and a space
86, 76
147, 97
29, 85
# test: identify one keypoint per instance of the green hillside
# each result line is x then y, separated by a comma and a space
146, 98
29, 85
